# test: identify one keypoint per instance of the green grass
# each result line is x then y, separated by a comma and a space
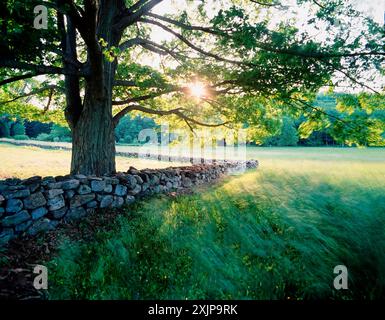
274, 233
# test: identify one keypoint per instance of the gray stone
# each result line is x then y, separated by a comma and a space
169, 185
34, 187
107, 180
2, 199
108, 188
145, 186
14, 205
130, 181
144, 177
42, 225
9, 194
186, 182
111, 180
16, 219
94, 178
6, 235
12, 181
52, 193
120, 190
81, 199
92, 204
35, 200
118, 202
55, 185
69, 194
138, 179
156, 189
81, 177
130, 199
32, 180
47, 180
133, 170
98, 185
2, 210
58, 214
63, 178
56, 203
114, 181
135, 191
19, 187
23, 226
84, 189
75, 214
154, 180
105, 201
38, 213
70, 184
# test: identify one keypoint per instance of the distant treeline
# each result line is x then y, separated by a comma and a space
289, 136
14, 125
128, 130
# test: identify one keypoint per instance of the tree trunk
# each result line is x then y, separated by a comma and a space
93, 137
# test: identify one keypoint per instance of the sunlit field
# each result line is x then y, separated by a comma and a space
25, 162
272, 233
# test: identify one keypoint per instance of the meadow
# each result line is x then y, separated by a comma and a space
27, 161
273, 233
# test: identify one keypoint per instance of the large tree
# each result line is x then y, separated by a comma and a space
253, 57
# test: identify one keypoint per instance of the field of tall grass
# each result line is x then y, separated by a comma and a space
273, 233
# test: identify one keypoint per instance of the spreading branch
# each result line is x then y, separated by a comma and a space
36, 69
149, 45
124, 83
129, 17
46, 108
185, 26
192, 46
304, 105
177, 112
264, 3
32, 93
19, 77
142, 98
266, 46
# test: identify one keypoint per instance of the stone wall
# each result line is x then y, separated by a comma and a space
38, 204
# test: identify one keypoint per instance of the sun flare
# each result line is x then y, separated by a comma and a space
197, 89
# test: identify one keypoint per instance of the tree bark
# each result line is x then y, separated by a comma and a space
91, 121
93, 134
93, 137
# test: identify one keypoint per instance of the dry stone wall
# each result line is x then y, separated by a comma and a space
37, 204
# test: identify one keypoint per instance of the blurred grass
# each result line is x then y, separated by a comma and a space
274, 233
